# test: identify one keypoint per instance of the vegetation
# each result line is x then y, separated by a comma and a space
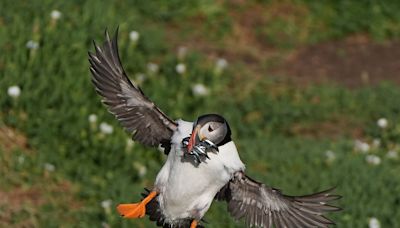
66, 162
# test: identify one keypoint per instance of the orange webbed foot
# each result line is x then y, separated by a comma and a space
132, 210
193, 224
135, 210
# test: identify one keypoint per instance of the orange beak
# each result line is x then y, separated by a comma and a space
194, 139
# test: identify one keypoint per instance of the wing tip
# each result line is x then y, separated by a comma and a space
108, 39
107, 76
106, 34
116, 32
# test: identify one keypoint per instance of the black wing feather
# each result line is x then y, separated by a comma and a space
140, 116
263, 206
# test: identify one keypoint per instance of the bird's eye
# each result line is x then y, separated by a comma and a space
210, 128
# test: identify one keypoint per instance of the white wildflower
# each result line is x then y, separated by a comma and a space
140, 168
142, 171
374, 223
32, 45
376, 143
330, 155
92, 118
106, 204
221, 63
140, 78
373, 159
382, 123
129, 143
152, 68
361, 146
106, 128
182, 51
200, 90
49, 167
220, 66
21, 159
180, 68
392, 154
14, 91
105, 225
134, 36
55, 14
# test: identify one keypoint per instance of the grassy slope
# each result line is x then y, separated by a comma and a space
265, 115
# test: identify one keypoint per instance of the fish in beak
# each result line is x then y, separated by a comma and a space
197, 145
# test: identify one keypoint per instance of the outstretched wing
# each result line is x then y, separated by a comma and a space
263, 206
140, 116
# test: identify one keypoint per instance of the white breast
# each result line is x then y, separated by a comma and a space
187, 190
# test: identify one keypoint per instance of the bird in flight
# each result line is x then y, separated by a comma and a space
202, 164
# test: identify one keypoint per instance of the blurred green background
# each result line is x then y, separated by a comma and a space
310, 89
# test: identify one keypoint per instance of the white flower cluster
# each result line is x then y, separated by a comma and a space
14, 91
152, 68
180, 68
374, 223
134, 36
140, 78
105, 225
106, 128
382, 123
220, 65
49, 167
129, 144
330, 155
21, 159
200, 90
33, 45
373, 159
55, 14
361, 146
182, 51
106, 204
392, 154
140, 168
376, 145
92, 118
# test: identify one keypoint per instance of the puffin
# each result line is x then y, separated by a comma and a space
202, 165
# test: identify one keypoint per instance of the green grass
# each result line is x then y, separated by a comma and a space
271, 120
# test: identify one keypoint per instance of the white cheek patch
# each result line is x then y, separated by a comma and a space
204, 133
216, 136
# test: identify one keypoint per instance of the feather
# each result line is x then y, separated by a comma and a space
263, 206
126, 101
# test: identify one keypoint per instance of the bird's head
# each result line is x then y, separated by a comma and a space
211, 127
